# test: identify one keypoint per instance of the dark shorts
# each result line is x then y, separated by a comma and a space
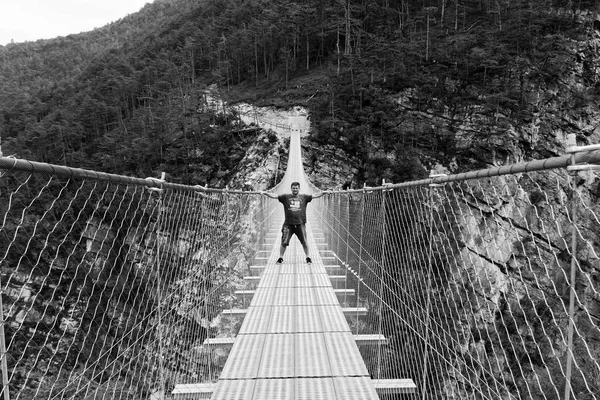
289, 230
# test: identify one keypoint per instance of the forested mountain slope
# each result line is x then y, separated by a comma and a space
396, 86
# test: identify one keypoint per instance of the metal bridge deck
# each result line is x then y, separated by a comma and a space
294, 342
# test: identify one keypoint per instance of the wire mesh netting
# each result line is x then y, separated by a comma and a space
485, 288
109, 289
469, 283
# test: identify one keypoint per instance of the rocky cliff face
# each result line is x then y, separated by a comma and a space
514, 262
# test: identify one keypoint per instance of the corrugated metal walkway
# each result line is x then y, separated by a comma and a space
294, 342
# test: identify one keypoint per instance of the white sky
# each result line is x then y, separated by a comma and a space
30, 20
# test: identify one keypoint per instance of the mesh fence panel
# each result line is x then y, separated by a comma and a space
485, 288
110, 289
469, 283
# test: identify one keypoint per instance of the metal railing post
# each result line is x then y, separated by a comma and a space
3, 354
360, 254
383, 255
432, 187
338, 218
158, 286
572, 280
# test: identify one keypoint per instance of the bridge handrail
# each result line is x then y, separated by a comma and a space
582, 157
16, 164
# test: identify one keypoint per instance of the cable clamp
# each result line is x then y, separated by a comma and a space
583, 167
579, 149
156, 180
433, 176
386, 185
573, 148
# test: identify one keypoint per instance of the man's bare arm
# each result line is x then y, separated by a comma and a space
271, 195
316, 196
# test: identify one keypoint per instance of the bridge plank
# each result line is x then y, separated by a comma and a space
348, 312
306, 388
394, 386
360, 340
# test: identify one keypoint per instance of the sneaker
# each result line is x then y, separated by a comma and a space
279, 260
308, 260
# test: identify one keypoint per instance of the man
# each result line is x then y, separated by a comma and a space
294, 206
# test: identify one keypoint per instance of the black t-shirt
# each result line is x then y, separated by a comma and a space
295, 207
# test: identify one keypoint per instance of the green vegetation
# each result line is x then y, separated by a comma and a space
130, 97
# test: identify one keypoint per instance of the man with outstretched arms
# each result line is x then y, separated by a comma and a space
294, 206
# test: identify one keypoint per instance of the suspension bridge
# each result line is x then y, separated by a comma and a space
482, 285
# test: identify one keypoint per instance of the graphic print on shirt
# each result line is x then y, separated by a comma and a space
295, 204
295, 207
